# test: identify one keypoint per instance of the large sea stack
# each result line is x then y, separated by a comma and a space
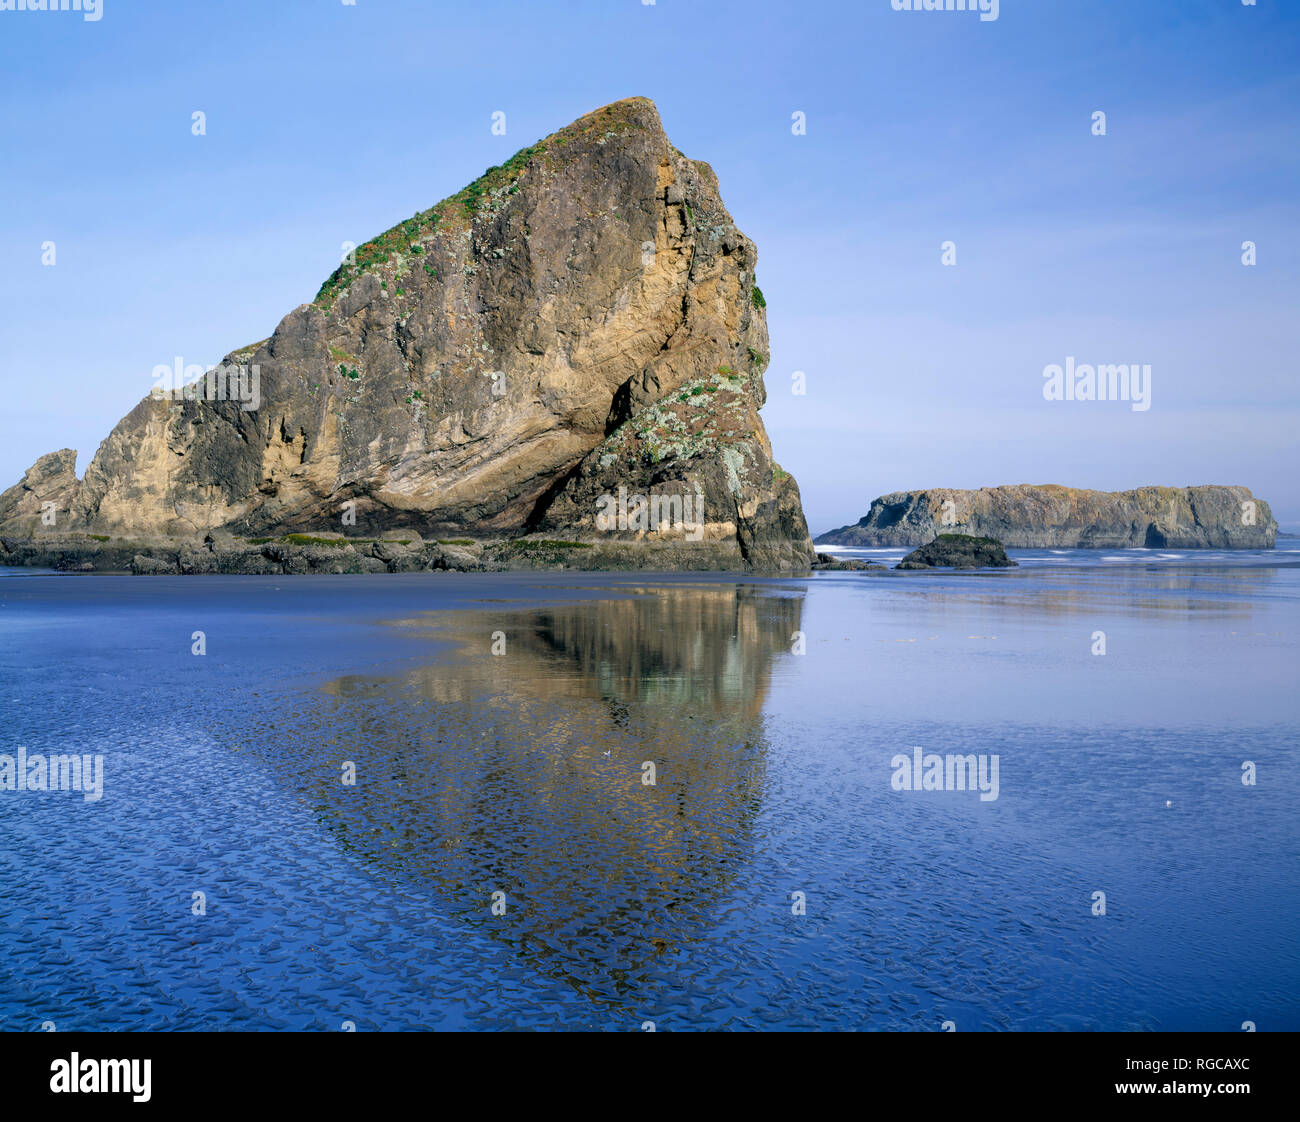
1048, 516
578, 327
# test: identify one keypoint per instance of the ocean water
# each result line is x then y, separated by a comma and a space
503, 862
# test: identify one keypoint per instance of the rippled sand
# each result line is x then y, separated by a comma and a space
769, 711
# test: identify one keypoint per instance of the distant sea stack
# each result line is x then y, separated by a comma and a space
578, 333
1049, 516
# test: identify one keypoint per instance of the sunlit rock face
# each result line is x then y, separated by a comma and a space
581, 319
47, 487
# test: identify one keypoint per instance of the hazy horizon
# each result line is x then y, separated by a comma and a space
328, 123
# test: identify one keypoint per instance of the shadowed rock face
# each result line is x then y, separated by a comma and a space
582, 318
1066, 518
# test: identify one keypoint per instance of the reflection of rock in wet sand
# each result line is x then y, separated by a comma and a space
522, 773
705, 646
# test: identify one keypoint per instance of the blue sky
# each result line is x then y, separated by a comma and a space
328, 122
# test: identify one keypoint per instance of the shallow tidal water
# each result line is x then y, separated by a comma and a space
773, 712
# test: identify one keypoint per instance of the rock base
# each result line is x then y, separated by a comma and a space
409, 553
